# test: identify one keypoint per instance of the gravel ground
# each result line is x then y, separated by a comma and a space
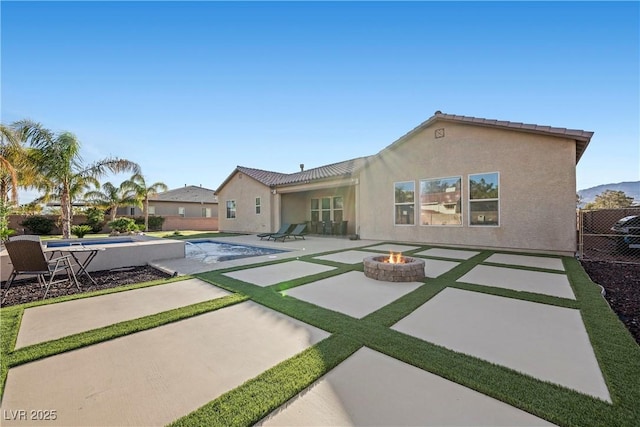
27, 291
621, 282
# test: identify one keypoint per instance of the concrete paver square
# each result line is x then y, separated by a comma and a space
158, 375
448, 253
554, 284
49, 322
435, 267
547, 342
386, 247
352, 293
527, 261
276, 273
348, 257
370, 388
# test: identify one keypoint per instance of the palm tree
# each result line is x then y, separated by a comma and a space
10, 153
143, 191
57, 157
17, 168
112, 197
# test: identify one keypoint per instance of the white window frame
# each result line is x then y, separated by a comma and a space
258, 205
151, 210
461, 201
181, 211
470, 201
395, 221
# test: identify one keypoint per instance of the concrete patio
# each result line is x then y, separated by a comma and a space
156, 376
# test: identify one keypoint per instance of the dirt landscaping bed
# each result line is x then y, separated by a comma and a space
27, 291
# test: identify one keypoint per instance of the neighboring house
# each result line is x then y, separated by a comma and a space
453, 180
189, 207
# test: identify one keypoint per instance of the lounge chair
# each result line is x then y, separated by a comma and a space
27, 258
298, 231
283, 229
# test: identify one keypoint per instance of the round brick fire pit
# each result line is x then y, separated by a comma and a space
408, 270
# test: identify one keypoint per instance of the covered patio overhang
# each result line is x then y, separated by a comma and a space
327, 206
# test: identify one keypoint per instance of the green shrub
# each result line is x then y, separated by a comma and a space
155, 222
123, 225
38, 224
5, 231
95, 219
80, 230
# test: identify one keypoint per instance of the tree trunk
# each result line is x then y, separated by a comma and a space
65, 206
146, 213
114, 210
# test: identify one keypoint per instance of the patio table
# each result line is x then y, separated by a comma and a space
74, 250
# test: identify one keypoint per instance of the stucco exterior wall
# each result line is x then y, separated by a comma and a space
244, 190
537, 187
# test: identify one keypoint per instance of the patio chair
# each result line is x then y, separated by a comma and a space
298, 231
283, 229
27, 258
33, 237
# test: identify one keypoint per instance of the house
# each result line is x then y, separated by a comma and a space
453, 180
186, 208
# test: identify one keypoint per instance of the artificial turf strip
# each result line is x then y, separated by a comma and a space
546, 400
521, 295
83, 339
616, 351
10, 319
327, 320
258, 397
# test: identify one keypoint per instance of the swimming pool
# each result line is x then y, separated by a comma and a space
211, 251
87, 242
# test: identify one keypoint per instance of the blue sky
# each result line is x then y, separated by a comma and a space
190, 90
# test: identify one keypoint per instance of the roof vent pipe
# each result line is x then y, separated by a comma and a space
301, 167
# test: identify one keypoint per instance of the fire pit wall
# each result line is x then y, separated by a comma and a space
412, 270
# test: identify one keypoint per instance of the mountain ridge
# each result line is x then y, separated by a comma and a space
630, 188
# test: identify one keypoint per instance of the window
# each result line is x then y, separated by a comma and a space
325, 209
206, 212
181, 211
315, 210
405, 203
484, 199
337, 209
258, 206
231, 209
441, 201
132, 211
152, 210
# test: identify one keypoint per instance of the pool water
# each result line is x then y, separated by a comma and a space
87, 242
211, 252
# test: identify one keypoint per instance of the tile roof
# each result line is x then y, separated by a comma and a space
269, 178
188, 193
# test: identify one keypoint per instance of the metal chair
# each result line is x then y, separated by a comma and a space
27, 257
